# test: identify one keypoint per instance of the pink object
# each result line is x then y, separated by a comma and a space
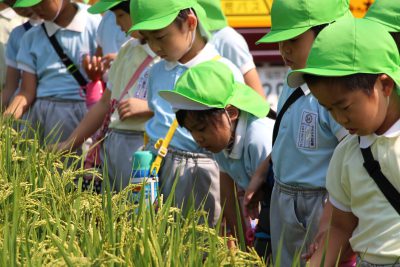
349, 263
94, 91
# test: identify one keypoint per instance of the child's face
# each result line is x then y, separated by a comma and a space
295, 51
48, 9
356, 110
172, 42
123, 19
213, 136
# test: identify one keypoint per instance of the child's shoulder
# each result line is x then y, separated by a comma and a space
259, 129
348, 146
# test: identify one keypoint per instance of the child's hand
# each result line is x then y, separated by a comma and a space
251, 201
94, 67
319, 239
107, 60
130, 107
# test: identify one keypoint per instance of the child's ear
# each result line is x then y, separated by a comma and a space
192, 21
387, 84
233, 112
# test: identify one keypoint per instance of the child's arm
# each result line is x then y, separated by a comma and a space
340, 231
134, 107
12, 81
89, 124
24, 99
252, 79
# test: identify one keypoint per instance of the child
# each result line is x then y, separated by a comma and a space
48, 89
307, 134
173, 29
358, 87
230, 44
13, 73
226, 118
126, 129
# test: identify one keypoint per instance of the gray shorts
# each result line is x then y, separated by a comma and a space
117, 151
198, 182
53, 119
362, 263
295, 214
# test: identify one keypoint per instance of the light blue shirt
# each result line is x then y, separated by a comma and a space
110, 37
163, 76
36, 54
231, 45
306, 140
252, 145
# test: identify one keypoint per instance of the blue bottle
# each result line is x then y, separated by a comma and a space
141, 177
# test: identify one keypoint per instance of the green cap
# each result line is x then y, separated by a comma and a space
103, 5
290, 18
350, 46
386, 12
26, 3
216, 19
211, 85
156, 14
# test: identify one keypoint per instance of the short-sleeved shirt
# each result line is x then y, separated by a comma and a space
8, 21
36, 54
306, 140
252, 145
351, 189
231, 45
14, 42
109, 36
129, 58
163, 76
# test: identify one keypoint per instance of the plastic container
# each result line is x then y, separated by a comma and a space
141, 177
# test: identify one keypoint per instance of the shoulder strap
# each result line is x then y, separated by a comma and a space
374, 170
293, 97
71, 67
27, 26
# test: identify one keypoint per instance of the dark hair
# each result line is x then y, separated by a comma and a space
124, 5
317, 29
183, 16
396, 37
203, 116
363, 81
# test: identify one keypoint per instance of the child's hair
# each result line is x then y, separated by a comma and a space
124, 5
183, 16
206, 116
396, 37
317, 29
364, 81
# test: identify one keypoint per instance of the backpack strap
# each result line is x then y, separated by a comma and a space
27, 26
374, 170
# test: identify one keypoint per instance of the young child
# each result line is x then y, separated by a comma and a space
13, 73
173, 29
231, 44
126, 128
358, 87
307, 135
48, 89
224, 117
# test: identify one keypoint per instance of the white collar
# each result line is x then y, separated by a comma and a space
77, 24
305, 89
35, 22
368, 140
207, 53
8, 13
240, 135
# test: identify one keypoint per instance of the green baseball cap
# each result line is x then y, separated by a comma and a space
103, 5
211, 85
26, 3
290, 18
216, 19
156, 14
350, 46
386, 12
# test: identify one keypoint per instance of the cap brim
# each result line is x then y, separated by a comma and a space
179, 101
154, 24
26, 3
275, 36
102, 6
246, 99
388, 27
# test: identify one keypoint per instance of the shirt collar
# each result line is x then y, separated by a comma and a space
240, 135
368, 140
77, 24
305, 89
207, 53
8, 13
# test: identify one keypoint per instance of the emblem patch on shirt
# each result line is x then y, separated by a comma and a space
141, 86
307, 137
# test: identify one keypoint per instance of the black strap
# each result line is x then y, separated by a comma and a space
292, 98
374, 170
27, 26
71, 67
